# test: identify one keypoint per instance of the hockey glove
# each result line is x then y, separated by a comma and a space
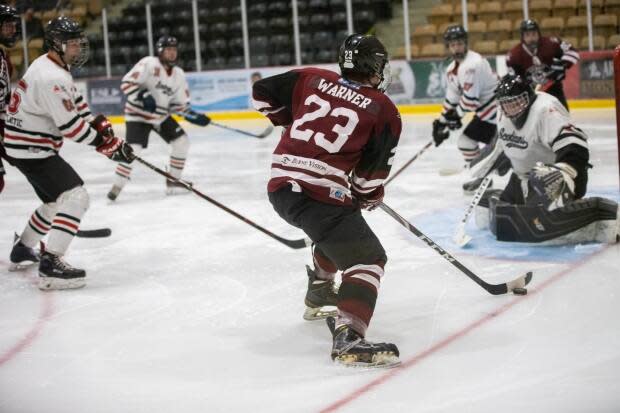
116, 149
199, 119
558, 70
553, 185
440, 132
371, 200
148, 101
103, 126
451, 119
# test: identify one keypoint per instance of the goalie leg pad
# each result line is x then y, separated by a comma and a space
522, 223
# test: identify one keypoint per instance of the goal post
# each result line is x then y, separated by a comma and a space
617, 98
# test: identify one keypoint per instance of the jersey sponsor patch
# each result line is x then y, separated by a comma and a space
337, 194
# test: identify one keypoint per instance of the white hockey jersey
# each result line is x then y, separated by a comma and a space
168, 88
547, 130
45, 108
471, 87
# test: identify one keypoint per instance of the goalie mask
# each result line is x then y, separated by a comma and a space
59, 33
363, 57
10, 26
455, 33
161, 45
515, 97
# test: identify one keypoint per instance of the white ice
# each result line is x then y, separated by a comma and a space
188, 309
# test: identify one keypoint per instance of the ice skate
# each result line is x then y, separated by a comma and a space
22, 257
321, 298
113, 194
56, 274
352, 350
176, 188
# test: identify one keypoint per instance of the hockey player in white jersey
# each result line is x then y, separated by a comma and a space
45, 109
543, 200
471, 87
156, 88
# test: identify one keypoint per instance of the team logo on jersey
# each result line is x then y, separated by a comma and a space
68, 105
467, 86
337, 194
513, 140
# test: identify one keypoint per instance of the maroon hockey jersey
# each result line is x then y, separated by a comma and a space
339, 138
535, 66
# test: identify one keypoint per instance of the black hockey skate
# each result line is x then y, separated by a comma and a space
176, 188
321, 298
22, 256
352, 350
113, 194
56, 274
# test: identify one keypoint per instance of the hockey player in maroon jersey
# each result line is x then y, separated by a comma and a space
542, 60
9, 33
45, 109
340, 136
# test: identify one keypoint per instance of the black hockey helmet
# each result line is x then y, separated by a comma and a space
364, 56
58, 32
162, 43
515, 97
456, 32
529, 25
9, 15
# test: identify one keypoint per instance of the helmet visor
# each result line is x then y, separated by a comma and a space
386, 77
513, 106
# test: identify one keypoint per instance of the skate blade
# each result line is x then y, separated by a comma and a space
383, 360
21, 266
320, 313
51, 283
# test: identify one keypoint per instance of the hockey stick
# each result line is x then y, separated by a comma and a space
94, 233
262, 135
402, 168
295, 244
495, 289
460, 237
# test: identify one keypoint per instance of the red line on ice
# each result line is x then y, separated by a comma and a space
45, 313
356, 394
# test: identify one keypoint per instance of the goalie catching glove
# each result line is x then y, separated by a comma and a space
553, 185
196, 118
109, 145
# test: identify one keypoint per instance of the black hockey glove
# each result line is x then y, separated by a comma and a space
370, 201
440, 132
553, 186
148, 101
199, 119
558, 70
451, 119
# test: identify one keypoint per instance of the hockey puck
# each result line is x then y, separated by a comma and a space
519, 291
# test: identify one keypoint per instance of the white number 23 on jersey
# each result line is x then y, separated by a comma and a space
324, 110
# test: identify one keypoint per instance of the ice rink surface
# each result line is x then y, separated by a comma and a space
188, 309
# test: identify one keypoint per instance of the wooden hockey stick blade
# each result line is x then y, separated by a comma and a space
461, 239
94, 233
